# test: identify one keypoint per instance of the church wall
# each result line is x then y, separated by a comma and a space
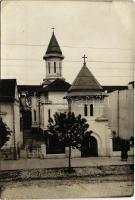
102, 134
57, 97
78, 107
35, 111
58, 68
18, 133
50, 105
42, 116
53, 109
100, 129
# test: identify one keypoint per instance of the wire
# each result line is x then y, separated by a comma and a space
93, 67
96, 75
100, 61
68, 46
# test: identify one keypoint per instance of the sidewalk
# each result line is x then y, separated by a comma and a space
62, 162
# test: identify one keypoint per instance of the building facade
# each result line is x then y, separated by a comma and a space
104, 107
10, 111
119, 109
86, 97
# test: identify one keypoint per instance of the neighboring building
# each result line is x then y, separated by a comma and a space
119, 109
29, 105
10, 111
112, 88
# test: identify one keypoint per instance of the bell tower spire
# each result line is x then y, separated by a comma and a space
53, 58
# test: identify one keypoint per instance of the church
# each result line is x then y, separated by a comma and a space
85, 96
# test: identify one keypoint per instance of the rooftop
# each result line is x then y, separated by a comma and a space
85, 81
7, 90
57, 85
53, 49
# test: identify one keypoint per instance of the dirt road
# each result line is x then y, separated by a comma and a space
111, 186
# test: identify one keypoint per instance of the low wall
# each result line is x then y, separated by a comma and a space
118, 153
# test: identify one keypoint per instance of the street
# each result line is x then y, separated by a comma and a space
109, 186
62, 162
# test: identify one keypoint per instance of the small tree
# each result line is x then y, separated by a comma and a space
4, 133
70, 129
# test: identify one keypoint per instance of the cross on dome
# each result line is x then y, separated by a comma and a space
84, 57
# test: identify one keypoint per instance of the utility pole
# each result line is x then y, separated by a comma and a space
14, 137
118, 110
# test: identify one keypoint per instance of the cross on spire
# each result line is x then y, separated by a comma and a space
84, 57
53, 29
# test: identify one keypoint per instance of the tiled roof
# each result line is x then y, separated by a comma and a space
7, 90
53, 48
29, 88
85, 81
57, 85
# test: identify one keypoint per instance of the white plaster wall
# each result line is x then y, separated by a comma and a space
102, 133
18, 133
78, 107
101, 130
58, 69
126, 112
53, 109
7, 108
111, 110
53, 102
57, 97
42, 120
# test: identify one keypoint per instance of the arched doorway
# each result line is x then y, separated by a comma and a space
89, 147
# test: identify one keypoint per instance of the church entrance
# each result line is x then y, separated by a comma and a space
89, 147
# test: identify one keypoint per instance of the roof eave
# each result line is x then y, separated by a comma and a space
53, 55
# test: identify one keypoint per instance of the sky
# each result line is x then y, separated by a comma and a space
101, 30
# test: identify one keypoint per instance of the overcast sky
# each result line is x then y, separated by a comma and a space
101, 30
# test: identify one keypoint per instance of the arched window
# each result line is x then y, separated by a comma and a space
35, 115
85, 110
91, 109
49, 114
60, 68
54, 67
49, 67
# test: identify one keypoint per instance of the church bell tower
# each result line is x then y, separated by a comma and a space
53, 58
